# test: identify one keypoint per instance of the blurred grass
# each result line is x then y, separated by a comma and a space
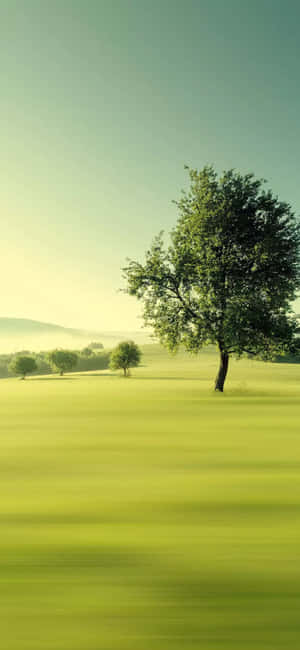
151, 513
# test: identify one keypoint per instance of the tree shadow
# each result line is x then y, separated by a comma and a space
95, 374
171, 378
52, 378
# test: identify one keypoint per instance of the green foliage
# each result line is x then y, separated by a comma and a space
230, 273
4, 371
86, 352
63, 360
5, 361
43, 363
23, 365
290, 356
126, 355
98, 361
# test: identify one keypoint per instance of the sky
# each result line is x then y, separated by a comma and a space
103, 102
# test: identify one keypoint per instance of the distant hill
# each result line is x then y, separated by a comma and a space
25, 334
16, 326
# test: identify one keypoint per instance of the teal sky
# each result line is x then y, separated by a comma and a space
102, 104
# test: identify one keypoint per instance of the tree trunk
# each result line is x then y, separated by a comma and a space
124, 372
221, 376
61, 373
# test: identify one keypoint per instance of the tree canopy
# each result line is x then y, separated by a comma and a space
230, 273
23, 365
63, 360
126, 355
87, 352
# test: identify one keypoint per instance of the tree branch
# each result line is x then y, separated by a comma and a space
187, 307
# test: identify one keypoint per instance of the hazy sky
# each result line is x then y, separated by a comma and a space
102, 104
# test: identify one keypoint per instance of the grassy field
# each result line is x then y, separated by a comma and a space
150, 513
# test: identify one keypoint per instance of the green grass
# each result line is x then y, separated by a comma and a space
150, 513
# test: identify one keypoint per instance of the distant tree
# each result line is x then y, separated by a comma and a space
97, 361
44, 365
4, 370
63, 360
23, 365
126, 355
87, 352
95, 345
290, 356
230, 274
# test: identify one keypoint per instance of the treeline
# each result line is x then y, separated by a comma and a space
92, 357
291, 357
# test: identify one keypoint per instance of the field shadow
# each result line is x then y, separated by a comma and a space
52, 378
170, 378
95, 374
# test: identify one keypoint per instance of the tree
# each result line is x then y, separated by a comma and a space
87, 352
43, 363
126, 355
23, 365
229, 274
63, 360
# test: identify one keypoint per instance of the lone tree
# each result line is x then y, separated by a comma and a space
63, 360
230, 273
126, 355
23, 365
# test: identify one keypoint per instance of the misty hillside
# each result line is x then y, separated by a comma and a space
16, 326
22, 333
